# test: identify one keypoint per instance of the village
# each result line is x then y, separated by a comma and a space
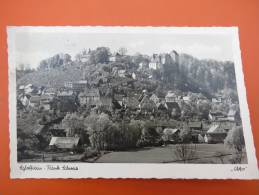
122, 104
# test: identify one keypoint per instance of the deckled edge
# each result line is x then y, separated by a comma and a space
238, 58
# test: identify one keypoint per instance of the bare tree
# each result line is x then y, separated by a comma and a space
185, 152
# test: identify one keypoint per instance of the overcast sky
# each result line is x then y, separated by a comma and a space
33, 46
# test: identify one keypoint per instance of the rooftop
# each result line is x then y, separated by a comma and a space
64, 142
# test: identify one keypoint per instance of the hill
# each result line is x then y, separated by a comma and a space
191, 74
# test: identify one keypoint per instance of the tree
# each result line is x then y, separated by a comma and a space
97, 127
133, 132
74, 124
25, 142
204, 108
100, 55
185, 134
185, 152
235, 140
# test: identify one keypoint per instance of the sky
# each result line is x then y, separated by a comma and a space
33, 46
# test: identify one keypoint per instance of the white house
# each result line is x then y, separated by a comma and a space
155, 62
171, 97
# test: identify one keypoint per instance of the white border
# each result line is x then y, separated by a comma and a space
135, 170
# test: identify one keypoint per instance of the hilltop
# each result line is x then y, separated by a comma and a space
186, 73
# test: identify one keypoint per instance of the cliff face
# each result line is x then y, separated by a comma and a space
55, 61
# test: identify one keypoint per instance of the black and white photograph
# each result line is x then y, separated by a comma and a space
128, 101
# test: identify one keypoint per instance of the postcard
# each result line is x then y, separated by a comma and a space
128, 102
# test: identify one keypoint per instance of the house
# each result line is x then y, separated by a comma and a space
66, 95
170, 135
84, 56
143, 65
34, 101
186, 99
215, 134
216, 100
21, 87
195, 125
115, 57
225, 124
24, 99
155, 62
122, 73
171, 97
90, 97
214, 116
106, 103
161, 106
28, 88
76, 85
64, 142
79, 85
233, 115
49, 91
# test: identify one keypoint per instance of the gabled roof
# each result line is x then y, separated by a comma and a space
49, 90
81, 82
146, 103
141, 97
35, 99
195, 124
170, 131
232, 112
65, 93
64, 142
90, 93
170, 94
160, 105
186, 98
216, 113
214, 129
21, 87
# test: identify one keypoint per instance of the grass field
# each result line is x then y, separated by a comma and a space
205, 153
